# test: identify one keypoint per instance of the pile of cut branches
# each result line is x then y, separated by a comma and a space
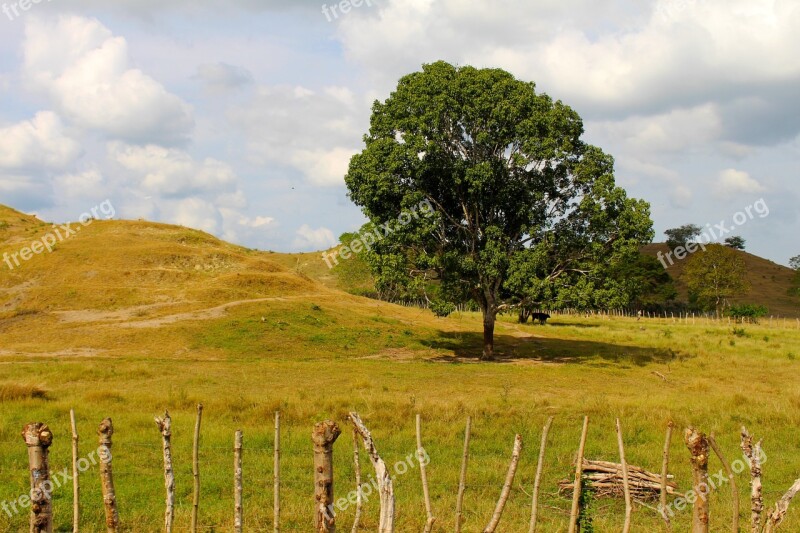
605, 480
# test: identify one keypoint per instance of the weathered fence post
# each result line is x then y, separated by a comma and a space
462, 480
105, 432
697, 443
537, 481
384, 478
664, 471
753, 454
423, 474
576, 494
38, 438
626, 486
324, 435
512, 471
165, 427
238, 509
196, 468
76, 493
276, 474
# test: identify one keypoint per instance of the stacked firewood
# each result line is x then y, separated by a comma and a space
605, 480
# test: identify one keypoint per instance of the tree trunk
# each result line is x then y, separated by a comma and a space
324, 435
489, 318
38, 438
165, 427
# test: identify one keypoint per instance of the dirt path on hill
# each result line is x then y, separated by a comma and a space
126, 318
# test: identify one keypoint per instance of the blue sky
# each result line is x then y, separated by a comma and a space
240, 118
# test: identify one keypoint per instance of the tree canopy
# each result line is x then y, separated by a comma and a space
715, 275
736, 243
681, 236
523, 208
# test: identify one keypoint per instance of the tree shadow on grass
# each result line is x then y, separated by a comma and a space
468, 346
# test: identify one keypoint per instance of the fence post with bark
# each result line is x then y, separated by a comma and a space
324, 436
105, 432
38, 438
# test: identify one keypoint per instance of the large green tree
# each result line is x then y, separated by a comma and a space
515, 190
714, 275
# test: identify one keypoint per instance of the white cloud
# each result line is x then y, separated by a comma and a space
194, 213
172, 172
309, 239
256, 222
732, 181
314, 132
41, 142
85, 70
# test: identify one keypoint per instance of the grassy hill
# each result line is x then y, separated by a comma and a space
128, 318
770, 282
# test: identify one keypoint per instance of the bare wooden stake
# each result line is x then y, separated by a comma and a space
697, 443
462, 482
625, 482
238, 508
165, 427
276, 481
779, 513
664, 472
38, 438
359, 494
421, 457
538, 480
384, 478
196, 468
734, 490
105, 432
76, 493
576, 493
324, 435
753, 454
512, 471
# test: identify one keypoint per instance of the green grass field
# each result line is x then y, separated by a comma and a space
128, 319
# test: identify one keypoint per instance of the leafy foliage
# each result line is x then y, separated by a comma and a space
714, 275
442, 308
524, 209
682, 235
736, 242
749, 312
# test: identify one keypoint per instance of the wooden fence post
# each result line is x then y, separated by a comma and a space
324, 436
76, 493
196, 468
165, 427
625, 483
538, 480
512, 471
38, 438
238, 509
697, 443
576, 494
105, 432
753, 454
423, 474
462, 480
664, 471
384, 478
276, 473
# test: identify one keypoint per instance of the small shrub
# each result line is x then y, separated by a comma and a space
791, 356
749, 312
441, 308
739, 332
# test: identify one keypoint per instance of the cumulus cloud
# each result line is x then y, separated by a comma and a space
732, 181
315, 132
310, 239
41, 142
85, 71
172, 172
